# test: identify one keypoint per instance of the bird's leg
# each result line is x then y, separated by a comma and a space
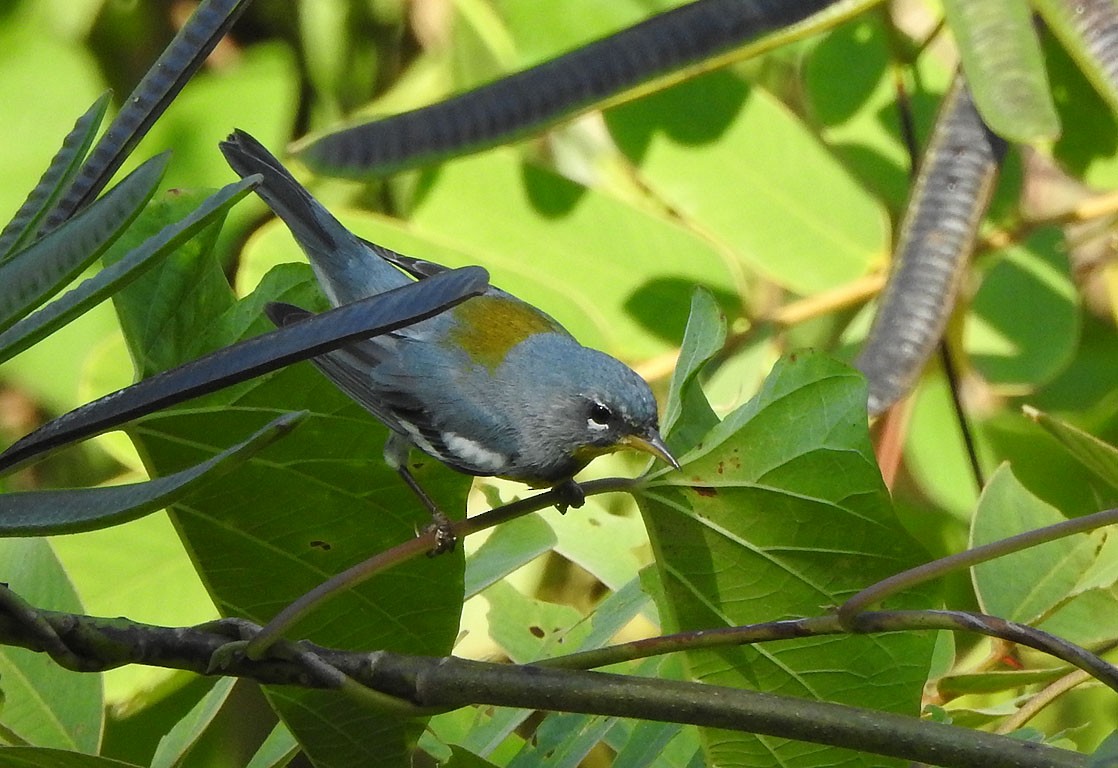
396, 451
570, 495
440, 523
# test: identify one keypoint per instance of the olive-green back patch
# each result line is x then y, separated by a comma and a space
489, 326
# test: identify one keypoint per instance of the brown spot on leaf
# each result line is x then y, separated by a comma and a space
325, 546
536, 631
704, 490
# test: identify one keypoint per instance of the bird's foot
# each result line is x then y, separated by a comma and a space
570, 495
445, 539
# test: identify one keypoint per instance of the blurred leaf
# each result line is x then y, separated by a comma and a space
695, 141
1013, 356
136, 586
119, 273
857, 113
601, 542
44, 82
935, 452
53, 512
782, 512
23, 227
1103, 572
42, 269
460, 758
1097, 456
45, 705
562, 740
510, 546
176, 745
1005, 69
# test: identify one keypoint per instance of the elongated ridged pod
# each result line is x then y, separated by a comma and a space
171, 71
950, 196
1088, 29
536, 98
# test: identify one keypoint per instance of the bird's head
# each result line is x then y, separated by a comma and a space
586, 403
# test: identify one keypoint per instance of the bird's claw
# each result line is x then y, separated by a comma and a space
570, 495
445, 540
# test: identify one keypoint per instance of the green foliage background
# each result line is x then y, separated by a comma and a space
768, 184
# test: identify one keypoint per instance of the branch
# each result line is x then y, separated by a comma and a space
89, 644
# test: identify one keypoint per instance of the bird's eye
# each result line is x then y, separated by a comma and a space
600, 414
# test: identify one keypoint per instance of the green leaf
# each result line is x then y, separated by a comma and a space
50, 512
176, 745
849, 82
688, 416
695, 141
46, 705
1005, 69
781, 512
1036, 586
24, 226
39, 271
1097, 456
119, 273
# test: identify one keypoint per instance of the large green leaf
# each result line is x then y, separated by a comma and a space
780, 512
298, 514
45, 705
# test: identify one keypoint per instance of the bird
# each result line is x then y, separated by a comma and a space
491, 387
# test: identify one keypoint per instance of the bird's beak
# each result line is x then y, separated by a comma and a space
651, 442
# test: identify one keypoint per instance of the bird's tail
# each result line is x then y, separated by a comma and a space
345, 266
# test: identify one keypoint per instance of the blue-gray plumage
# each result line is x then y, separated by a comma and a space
493, 386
